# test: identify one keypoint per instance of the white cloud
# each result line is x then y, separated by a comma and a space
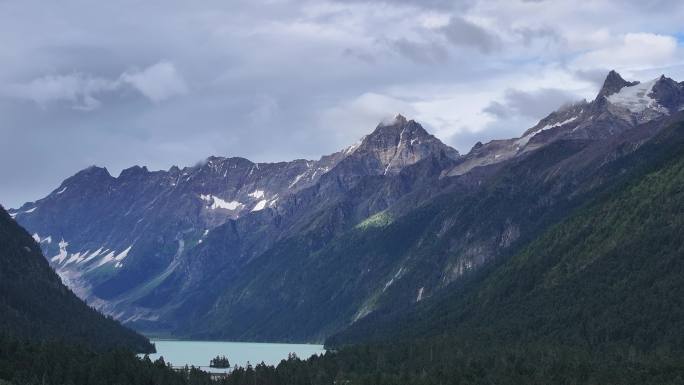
634, 51
444, 112
77, 88
84, 91
157, 82
434, 20
352, 119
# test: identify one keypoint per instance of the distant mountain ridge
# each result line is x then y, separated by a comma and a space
299, 250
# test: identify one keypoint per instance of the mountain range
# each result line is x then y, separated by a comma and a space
301, 250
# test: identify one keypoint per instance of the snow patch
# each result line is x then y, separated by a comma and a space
30, 210
391, 281
221, 204
59, 258
260, 205
636, 98
296, 179
218, 203
62, 190
123, 254
76, 258
353, 147
420, 294
89, 257
256, 194
110, 256
107, 258
523, 141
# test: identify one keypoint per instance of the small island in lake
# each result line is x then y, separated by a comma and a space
219, 362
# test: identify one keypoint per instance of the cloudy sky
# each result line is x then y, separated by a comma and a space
159, 83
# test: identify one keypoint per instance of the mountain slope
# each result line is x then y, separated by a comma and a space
595, 299
34, 304
610, 275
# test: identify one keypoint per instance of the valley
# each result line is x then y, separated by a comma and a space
472, 197
298, 251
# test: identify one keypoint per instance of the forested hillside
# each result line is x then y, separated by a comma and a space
50, 337
35, 305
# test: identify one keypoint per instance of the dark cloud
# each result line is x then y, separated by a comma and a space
361, 55
546, 34
499, 110
428, 53
594, 76
461, 32
534, 104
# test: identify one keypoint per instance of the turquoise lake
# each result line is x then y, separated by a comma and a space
198, 353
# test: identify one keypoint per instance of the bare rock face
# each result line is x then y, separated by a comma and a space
613, 84
393, 146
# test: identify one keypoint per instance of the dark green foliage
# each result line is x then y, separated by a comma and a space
449, 360
219, 362
51, 363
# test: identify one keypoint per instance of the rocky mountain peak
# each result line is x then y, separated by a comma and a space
394, 145
613, 84
668, 93
90, 173
395, 131
619, 106
400, 119
133, 172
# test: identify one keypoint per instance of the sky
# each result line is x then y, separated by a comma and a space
162, 83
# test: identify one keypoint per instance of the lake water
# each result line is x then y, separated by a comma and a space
198, 353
